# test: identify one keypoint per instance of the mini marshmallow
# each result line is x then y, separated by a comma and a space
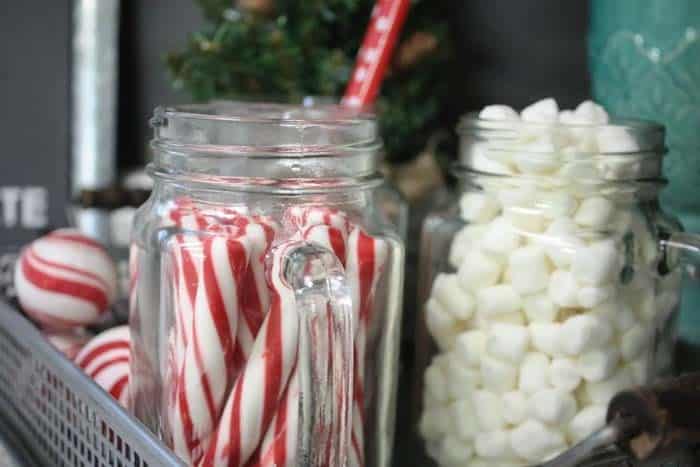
540, 158
528, 269
597, 263
561, 242
489, 410
470, 347
493, 444
533, 440
508, 342
498, 112
596, 365
454, 299
533, 373
588, 112
563, 289
441, 324
525, 220
515, 407
633, 342
639, 370
516, 318
478, 271
582, 333
614, 139
465, 422
498, 376
586, 422
478, 207
595, 212
543, 111
454, 451
589, 296
464, 241
522, 195
603, 391
461, 381
624, 318
500, 237
434, 423
557, 204
479, 158
564, 374
552, 406
435, 383
646, 306
498, 299
545, 337
539, 309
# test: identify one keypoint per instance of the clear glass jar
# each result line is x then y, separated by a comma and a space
550, 282
266, 303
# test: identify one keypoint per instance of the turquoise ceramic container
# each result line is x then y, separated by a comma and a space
645, 62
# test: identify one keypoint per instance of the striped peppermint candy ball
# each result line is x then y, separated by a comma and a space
105, 359
65, 280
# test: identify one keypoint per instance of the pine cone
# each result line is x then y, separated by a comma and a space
414, 49
258, 7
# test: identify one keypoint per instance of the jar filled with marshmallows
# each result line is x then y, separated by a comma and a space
551, 282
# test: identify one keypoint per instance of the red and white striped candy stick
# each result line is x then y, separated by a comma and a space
254, 399
105, 359
366, 258
210, 365
374, 56
279, 447
304, 216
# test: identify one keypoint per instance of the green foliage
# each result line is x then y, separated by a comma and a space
298, 48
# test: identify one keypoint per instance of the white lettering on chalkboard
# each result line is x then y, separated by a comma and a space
24, 207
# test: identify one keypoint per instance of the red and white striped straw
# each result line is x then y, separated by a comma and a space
374, 56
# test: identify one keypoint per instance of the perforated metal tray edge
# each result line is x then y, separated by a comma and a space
59, 413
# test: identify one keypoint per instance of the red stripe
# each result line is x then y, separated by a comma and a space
184, 411
203, 376
104, 365
338, 243
119, 386
365, 253
64, 267
273, 364
99, 350
60, 285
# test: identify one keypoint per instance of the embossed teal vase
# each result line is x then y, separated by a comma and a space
645, 62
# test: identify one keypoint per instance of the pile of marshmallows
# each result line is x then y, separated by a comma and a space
65, 282
536, 330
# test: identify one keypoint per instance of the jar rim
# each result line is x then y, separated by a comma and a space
260, 128
650, 132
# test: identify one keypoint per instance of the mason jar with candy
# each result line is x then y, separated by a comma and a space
267, 289
552, 282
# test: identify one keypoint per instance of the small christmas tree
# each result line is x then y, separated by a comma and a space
289, 49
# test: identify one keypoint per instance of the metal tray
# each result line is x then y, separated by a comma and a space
61, 416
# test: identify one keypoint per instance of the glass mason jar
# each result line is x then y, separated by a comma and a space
551, 282
267, 300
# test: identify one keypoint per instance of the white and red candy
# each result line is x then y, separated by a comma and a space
106, 360
65, 280
254, 337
